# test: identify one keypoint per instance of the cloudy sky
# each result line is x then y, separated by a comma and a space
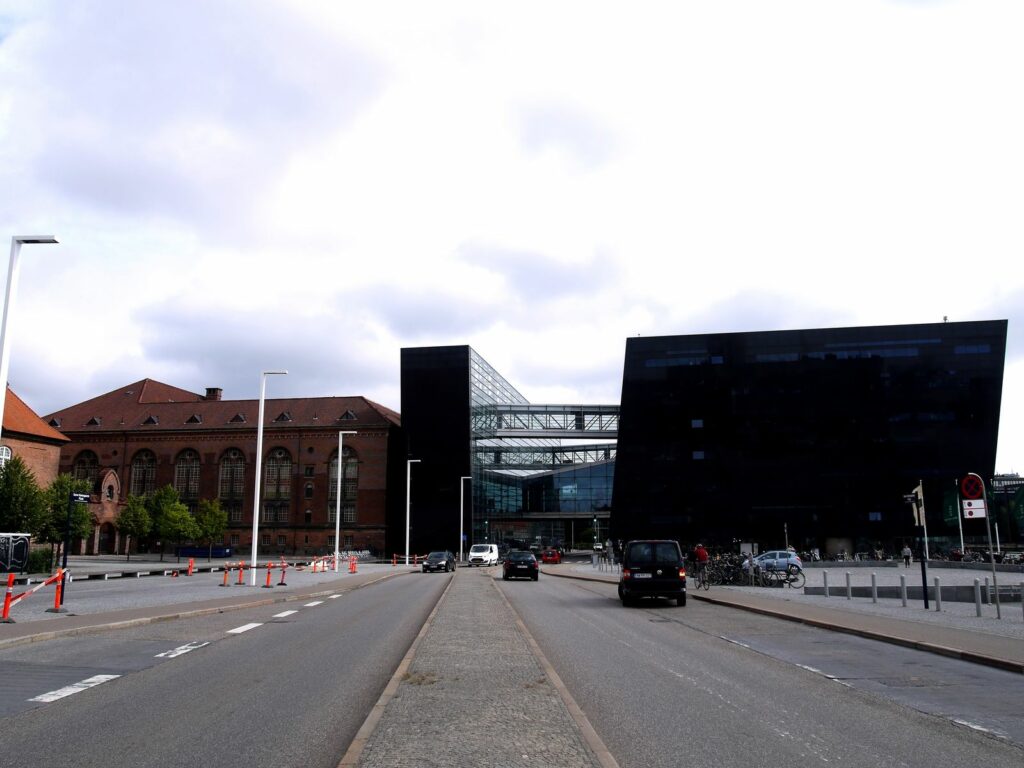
240, 186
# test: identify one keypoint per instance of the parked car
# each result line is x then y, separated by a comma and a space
551, 556
779, 560
439, 561
520, 564
483, 554
652, 568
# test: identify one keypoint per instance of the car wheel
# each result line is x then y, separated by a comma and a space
536, 577
681, 601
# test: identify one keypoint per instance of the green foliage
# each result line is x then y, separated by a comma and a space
22, 504
212, 521
40, 560
133, 521
178, 525
56, 520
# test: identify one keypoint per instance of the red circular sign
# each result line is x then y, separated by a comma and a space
971, 487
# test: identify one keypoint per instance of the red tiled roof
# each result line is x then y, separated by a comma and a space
19, 418
150, 405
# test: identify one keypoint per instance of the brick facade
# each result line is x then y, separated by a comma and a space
148, 416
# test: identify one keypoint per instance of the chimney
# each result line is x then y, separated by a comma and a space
213, 393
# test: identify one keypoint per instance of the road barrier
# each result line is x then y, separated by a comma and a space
352, 564
10, 598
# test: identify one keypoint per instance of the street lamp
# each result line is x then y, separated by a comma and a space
259, 463
12, 284
408, 486
462, 506
337, 505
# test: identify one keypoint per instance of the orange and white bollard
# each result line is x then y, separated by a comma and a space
191, 565
394, 560
352, 564
6, 616
268, 585
57, 593
284, 567
241, 577
227, 569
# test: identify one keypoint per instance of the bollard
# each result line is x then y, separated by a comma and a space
191, 565
241, 577
352, 564
938, 595
57, 593
268, 585
394, 560
874, 588
988, 595
824, 573
5, 617
977, 597
849, 589
284, 567
226, 571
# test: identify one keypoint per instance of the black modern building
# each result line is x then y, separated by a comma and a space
524, 473
809, 436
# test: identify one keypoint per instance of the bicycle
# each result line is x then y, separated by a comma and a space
702, 578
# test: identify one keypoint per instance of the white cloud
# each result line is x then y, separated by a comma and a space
327, 183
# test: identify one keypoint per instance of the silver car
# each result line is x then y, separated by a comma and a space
779, 560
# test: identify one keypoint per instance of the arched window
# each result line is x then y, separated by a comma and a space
186, 475
143, 474
5, 455
86, 467
231, 482
349, 485
277, 486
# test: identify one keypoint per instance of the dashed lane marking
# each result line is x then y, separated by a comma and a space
67, 690
284, 614
333, 597
310, 605
244, 628
181, 649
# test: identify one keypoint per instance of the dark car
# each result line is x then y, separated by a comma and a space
520, 564
652, 568
439, 561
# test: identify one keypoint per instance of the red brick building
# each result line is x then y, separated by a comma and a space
29, 437
148, 435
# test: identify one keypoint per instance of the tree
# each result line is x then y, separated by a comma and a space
171, 518
22, 504
55, 526
212, 522
133, 521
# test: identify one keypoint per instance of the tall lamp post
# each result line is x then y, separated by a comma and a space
12, 284
462, 507
259, 464
408, 486
337, 504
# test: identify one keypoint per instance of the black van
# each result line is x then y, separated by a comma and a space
652, 568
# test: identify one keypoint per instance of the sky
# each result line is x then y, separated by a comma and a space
312, 186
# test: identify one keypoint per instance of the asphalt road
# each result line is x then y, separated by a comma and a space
704, 685
281, 685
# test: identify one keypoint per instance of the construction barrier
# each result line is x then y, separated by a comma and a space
10, 598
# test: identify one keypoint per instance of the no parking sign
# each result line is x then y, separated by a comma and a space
972, 488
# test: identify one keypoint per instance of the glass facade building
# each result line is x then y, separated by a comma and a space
808, 437
537, 474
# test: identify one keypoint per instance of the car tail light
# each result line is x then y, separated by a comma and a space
626, 573
682, 573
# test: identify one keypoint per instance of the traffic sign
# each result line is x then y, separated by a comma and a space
972, 487
974, 508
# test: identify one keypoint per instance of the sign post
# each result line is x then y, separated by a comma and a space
972, 488
81, 498
916, 498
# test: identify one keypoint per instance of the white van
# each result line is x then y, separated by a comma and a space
483, 554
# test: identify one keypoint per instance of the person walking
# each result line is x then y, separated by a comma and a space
906, 555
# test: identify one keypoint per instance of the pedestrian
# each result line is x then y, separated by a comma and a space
906, 555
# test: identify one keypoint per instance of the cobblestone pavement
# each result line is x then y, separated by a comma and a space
475, 694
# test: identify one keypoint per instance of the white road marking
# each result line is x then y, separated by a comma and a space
284, 614
333, 597
181, 649
244, 628
67, 690
310, 605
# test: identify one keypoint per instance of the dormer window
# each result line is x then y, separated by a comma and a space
93, 422
348, 416
55, 422
238, 418
195, 418
284, 416
151, 420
